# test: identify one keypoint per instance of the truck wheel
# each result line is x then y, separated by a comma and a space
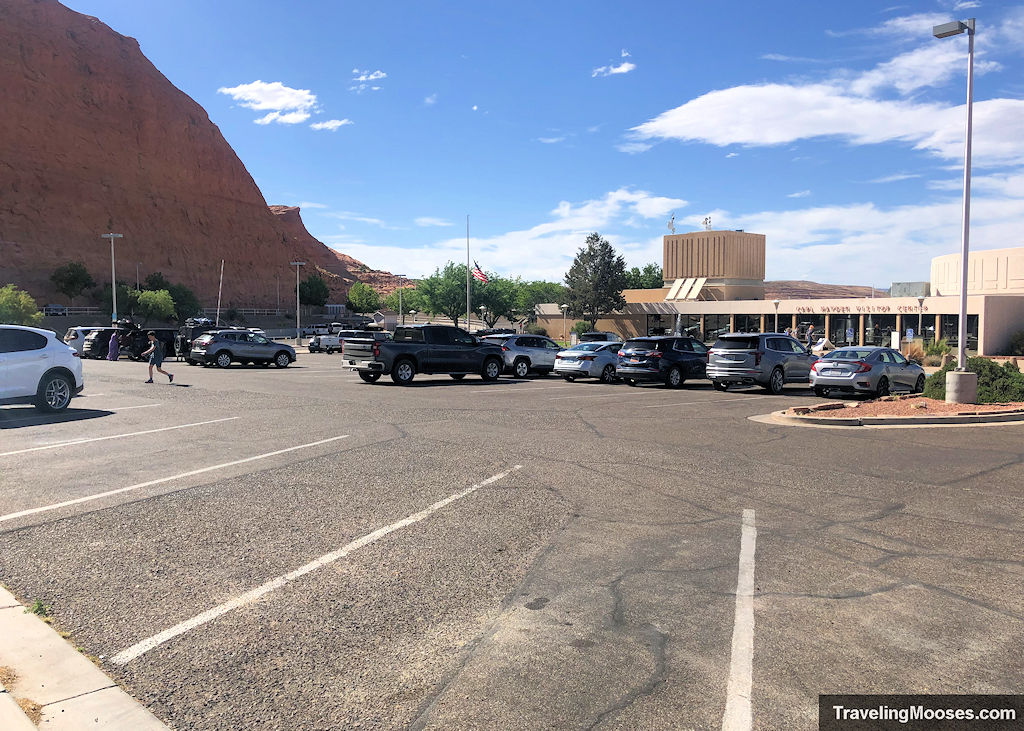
403, 372
369, 376
521, 368
491, 369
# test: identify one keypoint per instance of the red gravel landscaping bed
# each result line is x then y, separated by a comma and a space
900, 406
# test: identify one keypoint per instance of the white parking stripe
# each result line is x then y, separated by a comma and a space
97, 496
114, 436
710, 401
140, 648
522, 389
602, 395
738, 715
123, 408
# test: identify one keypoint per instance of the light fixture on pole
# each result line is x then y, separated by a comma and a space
412, 313
483, 309
776, 303
298, 331
400, 310
964, 387
920, 317
563, 308
113, 275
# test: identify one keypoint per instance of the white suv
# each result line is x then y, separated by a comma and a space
37, 368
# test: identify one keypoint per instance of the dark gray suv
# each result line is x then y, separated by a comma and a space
224, 347
770, 360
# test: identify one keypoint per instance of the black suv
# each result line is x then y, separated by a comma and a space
668, 359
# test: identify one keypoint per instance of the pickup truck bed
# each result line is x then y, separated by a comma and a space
423, 349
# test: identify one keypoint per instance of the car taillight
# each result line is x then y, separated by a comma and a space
757, 357
862, 367
655, 354
76, 354
588, 357
504, 348
558, 357
376, 349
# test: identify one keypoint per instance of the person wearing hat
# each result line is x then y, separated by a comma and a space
156, 357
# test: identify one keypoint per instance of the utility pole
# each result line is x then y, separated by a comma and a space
113, 274
298, 330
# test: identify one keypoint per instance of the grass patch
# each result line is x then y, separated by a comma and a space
38, 608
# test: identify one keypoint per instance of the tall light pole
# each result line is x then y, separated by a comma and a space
400, 310
920, 317
113, 275
777, 303
945, 30
563, 308
298, 332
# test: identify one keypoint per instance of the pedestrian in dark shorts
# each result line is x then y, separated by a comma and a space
156, 357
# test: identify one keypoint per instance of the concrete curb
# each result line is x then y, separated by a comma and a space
74, 693
964, 419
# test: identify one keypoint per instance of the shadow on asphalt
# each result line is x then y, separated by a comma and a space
25, 417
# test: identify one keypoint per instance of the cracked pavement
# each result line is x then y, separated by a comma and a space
593, 588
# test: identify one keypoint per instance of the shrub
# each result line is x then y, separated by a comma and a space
932, 361
534, 329
915, 352
1017, 344
938, 347
996, 383
581, 327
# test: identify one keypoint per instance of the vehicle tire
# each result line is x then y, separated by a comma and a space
521, 368
491, 369
190, 362
720, 386
403, 372
265, 364
776, 381
54, 392
369, 376
570, 379
457, 376
674, 379
883, 387
282, 360
821, 392
222, 359
608, 374
631, 381
919, 386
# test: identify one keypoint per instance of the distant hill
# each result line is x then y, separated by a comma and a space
795, 289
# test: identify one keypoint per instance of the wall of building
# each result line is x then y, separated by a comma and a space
996, 271
714, 254
1004, 317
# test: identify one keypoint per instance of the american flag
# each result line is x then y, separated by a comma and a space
478, 273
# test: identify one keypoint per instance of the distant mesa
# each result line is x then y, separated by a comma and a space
93, 138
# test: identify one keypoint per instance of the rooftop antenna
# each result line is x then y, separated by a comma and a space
707, 223
672, 223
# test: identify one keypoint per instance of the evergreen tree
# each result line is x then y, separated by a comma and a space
595, 280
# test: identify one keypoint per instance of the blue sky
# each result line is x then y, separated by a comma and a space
836, 129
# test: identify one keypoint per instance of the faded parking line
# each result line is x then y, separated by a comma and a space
738, 715
710, 401
140, 648
524, 388
97, 496
114, 436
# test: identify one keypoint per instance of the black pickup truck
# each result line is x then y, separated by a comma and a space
423, 349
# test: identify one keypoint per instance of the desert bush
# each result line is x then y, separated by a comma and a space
996, 383
938, 347
534, 329
915, 352
932, 361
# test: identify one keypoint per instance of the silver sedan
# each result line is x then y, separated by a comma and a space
876, 371
595, 359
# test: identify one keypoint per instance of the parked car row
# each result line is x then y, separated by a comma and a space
334, 343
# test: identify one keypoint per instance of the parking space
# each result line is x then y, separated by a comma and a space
293, 547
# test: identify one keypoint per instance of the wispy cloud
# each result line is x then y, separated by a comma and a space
331, 124
358, 217
733, 154
430, 100
429, 221
895, 178
633, 148
623, 68
363, 80
788, 59
551, 140
475, 107
800, 194
308, 204
284, 104
624, 53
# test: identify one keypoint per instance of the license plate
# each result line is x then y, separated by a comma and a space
831, 372
634, 360
569, 360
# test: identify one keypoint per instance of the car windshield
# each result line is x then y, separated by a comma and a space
640, 345
849, 354
735, 344
589, 347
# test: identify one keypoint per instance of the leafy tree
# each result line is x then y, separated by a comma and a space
127, 298
650, 277
499, 298
156, 304
156, 281
17, 307
72, 279
581, 327
186, 304
411, 300
595, 280
363, 298
444, 292
313, 291
531, 294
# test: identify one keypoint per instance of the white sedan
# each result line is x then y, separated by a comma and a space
37, 368
594, 359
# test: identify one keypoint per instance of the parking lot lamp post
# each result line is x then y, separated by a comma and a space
920, 317
776, 303
113, 275
298, 331
412, 313
563, 308
482, 309
400, 310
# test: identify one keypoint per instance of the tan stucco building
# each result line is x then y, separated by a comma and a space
727, 263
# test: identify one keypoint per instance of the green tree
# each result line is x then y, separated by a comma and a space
444, 292
313, 291
363, 298
156, 304
127, 298
595, 280
649, 277
535, 293
186, 304
17, 307
156, 281
499, 297
72, 279
411, 300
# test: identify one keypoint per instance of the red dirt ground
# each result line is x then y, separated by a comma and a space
899, 406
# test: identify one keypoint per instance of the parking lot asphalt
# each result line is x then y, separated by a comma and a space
293, 548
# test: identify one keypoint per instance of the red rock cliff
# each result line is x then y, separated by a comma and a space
93, 138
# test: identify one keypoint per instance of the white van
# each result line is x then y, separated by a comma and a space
75, 337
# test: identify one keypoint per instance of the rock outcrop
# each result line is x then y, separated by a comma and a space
93, 139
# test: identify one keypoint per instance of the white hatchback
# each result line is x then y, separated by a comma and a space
37, 368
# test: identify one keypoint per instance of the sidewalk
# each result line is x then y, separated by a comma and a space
42, 671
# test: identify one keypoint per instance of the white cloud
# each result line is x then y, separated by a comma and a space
800, 194
331, 124
633, 147
286, 105
895, 178
967, 5
623, 68
475, 107
308, 204
429, 221
352, 216
358, 75
624, 54
430, 100
551, 140
733, 154
787, 59
930, 65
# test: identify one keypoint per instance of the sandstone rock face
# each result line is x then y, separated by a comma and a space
93, 139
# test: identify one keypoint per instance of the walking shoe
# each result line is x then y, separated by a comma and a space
150, 380
170, 378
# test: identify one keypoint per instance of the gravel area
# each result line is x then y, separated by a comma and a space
901, 406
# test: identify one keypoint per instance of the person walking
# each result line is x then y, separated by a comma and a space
156, 357
113, 347
810, 336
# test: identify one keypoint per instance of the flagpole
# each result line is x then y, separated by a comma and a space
468, 309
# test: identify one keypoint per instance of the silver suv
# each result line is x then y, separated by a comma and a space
525, 353
770, 360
